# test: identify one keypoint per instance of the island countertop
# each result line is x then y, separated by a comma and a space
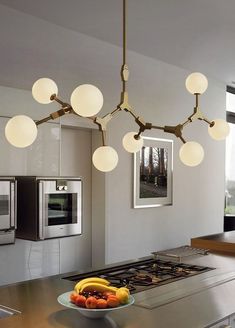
37, 301
221, 242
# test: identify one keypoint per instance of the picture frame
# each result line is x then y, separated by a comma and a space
153, 173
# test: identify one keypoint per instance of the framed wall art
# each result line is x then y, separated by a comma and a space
153, 168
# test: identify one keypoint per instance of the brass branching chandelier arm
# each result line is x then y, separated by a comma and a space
104, 138
176, 130
43, 120
87, 101
197, 114
102, 122
66, 109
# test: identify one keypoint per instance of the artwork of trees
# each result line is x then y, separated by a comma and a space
153, 172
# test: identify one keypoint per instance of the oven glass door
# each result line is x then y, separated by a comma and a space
60, 211
62, 208
5, 205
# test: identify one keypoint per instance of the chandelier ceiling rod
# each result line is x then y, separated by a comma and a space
125, 72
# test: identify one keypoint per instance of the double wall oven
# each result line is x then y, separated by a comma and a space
7, 210
48, 207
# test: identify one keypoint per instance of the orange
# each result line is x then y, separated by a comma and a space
91, 302
112, 301
101, 304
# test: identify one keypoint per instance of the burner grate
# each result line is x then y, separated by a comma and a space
146, 274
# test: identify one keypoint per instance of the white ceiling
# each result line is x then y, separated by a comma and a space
198, 35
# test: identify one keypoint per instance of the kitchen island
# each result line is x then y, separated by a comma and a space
37, 301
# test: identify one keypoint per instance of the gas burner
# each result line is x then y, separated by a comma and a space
143, 275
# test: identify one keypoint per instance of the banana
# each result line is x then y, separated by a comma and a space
79, 285
93, 286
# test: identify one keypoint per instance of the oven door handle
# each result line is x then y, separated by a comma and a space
41, 210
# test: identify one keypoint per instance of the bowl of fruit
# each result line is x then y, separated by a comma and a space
94, 297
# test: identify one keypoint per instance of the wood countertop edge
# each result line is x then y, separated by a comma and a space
213, 245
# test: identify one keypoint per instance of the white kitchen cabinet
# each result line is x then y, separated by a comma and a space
42, 158
49, 257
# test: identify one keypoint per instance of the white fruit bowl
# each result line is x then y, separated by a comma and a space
64, 299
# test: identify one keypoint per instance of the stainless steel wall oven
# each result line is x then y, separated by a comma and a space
48, 207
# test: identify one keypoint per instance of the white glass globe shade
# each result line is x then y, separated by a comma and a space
43, 89
105, 158
131, 144
87, 100
220, 130
191, 153
21, 131
196, 83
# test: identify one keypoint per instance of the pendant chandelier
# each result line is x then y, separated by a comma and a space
87, 100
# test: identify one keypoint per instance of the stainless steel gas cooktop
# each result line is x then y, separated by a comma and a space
143, 275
